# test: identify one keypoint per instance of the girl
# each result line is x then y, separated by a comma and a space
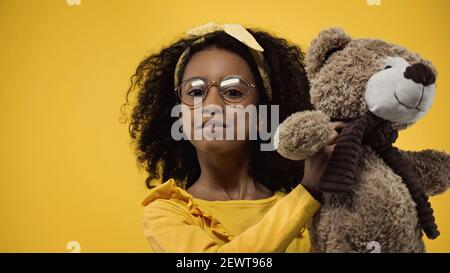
223, 195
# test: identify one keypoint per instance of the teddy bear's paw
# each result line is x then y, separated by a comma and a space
441, 161
302, 134
445, 170
432, 168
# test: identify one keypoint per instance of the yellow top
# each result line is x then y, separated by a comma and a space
175, 221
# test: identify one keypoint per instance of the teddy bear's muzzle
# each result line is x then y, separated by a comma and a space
400, 92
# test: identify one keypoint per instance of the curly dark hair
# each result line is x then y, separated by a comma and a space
151, 121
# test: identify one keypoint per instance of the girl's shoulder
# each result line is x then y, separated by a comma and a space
167, 190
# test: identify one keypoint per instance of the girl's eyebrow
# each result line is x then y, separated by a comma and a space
205, 79
196, 77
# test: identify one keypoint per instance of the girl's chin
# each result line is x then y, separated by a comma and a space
218, 146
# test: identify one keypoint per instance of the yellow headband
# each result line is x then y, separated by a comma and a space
236, 31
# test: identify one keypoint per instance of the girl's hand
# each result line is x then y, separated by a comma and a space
315, 165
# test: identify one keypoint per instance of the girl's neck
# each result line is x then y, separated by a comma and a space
227, 177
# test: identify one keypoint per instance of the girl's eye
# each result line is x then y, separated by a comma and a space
387, 67
233, 93
195, 93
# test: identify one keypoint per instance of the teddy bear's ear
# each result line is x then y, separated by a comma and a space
327, 42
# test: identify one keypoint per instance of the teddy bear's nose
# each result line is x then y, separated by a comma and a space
420, 73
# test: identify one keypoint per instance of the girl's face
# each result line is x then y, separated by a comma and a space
214, 64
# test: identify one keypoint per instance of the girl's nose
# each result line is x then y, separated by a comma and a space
213, 97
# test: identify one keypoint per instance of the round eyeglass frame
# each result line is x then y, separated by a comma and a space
177, 90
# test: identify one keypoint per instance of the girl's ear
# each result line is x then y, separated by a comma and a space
327, 42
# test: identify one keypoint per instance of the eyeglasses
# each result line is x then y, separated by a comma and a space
232, 89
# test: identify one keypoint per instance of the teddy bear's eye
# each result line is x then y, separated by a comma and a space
387, 67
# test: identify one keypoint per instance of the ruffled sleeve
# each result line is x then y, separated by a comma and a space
183, 203
170, 223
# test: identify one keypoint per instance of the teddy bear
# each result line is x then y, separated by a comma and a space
375, 196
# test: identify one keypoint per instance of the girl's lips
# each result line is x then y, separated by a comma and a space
212, 123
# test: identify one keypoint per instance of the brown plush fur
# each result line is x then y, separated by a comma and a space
379, 205
380, 209
432, 167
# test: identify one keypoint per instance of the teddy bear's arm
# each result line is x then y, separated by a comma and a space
302, 134
432, 168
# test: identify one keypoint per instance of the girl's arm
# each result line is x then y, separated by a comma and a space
170, 228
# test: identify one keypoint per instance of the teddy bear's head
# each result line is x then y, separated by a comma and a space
350, 77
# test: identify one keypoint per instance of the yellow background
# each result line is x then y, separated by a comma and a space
67, 172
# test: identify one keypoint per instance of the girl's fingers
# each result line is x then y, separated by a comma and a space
330, 148
338, 124
336, 127
332, 138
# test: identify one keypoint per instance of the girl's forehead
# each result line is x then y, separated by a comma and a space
215, 64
